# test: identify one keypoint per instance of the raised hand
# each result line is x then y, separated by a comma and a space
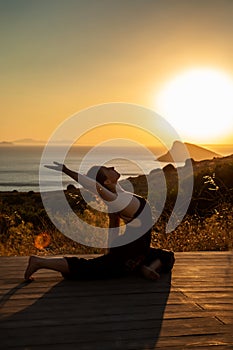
57, 166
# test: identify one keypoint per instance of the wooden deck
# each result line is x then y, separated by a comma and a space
192, 309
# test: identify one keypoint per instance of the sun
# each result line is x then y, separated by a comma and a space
199, 104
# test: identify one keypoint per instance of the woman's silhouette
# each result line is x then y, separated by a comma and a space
123, 258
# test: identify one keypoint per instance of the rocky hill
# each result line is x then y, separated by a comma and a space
181, 151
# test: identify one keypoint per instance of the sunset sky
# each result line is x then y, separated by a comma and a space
59, 57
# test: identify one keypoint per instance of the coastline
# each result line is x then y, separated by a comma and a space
207, 225
19, 170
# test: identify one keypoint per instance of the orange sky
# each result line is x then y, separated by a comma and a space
59, 57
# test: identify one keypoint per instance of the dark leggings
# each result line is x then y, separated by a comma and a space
107, 266
103, 267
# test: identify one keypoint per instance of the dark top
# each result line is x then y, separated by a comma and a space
133, 253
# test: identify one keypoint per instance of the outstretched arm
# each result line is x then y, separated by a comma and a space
85, 181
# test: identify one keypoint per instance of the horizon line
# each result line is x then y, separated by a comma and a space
29, 141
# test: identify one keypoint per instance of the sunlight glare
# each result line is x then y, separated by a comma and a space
198, 104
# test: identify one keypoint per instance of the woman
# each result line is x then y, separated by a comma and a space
125, 256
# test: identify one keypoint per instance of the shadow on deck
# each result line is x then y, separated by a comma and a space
195, 312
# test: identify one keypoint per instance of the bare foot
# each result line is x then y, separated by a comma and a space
149, 274
31, 268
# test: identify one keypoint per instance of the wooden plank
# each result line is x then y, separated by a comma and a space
194, 312
97, 332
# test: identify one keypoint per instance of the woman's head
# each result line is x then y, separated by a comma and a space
106, 176
96, 173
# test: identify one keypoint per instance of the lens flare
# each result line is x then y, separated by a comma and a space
42, 240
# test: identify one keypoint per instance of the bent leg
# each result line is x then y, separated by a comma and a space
158, 260
36, 263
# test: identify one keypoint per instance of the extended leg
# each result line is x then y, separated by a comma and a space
36, 263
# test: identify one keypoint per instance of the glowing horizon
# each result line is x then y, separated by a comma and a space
61, 57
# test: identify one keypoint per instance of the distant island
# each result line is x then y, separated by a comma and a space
28, 141
6, 143
179, 149
31, 142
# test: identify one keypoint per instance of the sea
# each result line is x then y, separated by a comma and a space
20, 165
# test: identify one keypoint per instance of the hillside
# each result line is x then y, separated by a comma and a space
178, 153
26, 229
213, 184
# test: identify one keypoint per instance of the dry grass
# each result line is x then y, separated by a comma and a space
214, 233
21, 237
